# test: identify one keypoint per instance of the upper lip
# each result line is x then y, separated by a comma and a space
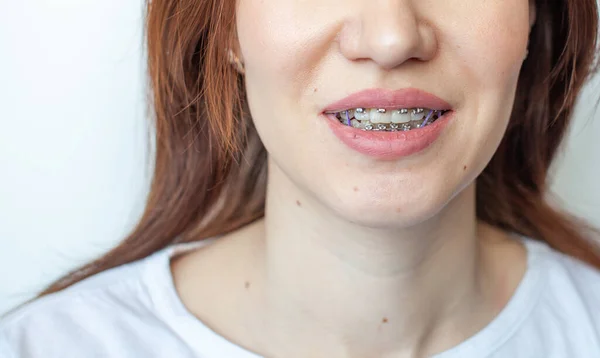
389, 99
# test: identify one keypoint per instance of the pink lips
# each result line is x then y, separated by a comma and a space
389, 145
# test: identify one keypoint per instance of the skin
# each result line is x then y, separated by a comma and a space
359, 257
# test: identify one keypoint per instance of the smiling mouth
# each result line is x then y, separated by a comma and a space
386, 120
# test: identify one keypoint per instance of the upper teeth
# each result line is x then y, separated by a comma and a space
380, 115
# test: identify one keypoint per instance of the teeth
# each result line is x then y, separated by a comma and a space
350, 114
361, 114
346, 116
379, 119
417, 114
401, 116
379, 116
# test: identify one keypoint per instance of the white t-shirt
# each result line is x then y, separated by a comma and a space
134, 311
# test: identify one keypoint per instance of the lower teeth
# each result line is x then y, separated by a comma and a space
390, 127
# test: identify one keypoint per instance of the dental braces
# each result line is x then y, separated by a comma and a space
432, 116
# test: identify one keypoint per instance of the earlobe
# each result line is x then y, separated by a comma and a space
234, 60
234, 55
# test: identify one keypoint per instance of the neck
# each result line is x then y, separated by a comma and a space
338, 287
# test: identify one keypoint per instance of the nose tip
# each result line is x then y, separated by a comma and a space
388, 35
389, 49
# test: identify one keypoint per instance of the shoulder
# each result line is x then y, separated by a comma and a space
572, 281
566, 316
81, 318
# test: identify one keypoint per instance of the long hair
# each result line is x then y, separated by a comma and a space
210, 166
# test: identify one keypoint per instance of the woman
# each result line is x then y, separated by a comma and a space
346, 179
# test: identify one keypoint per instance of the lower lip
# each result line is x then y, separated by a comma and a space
389, 145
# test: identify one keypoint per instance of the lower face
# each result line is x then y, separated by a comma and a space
303, 55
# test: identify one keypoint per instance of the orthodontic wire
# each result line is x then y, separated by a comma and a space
431, 112
428, 117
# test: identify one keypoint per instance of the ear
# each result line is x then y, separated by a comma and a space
234, 55
236, 48
532, 13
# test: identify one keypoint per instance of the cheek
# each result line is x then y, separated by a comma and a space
279, 39
487, 49
283, 43
489, 43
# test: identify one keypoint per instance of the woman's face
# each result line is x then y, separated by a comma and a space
303, 56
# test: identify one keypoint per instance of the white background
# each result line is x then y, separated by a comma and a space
73, 138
